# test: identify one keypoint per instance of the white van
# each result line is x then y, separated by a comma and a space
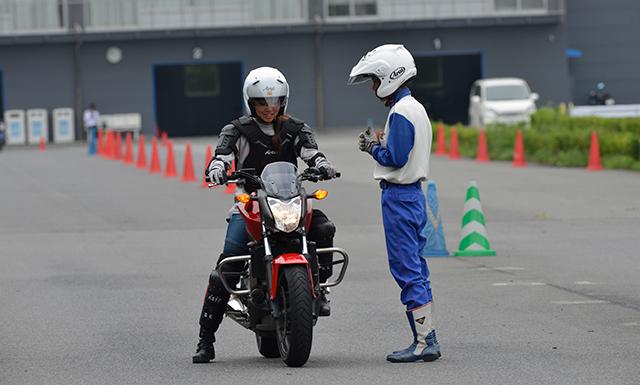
501, 100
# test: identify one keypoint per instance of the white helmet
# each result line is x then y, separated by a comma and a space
265, 83
391, 63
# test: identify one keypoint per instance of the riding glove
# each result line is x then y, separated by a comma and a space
366, 140
217, 172
326, 168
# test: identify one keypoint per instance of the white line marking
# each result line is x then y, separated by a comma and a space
630, 324
503, 268
585, 283
518, 284
583, 302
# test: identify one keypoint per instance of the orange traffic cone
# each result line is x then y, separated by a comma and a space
142, 154
231, 187
442, 147
42, 145
187, 172
518, 151
100, 148
594, 153
483, 152
117, 152
106, 149
111, 145
164, 138
454, 153
170, 169
155, 157
207, 160
128, 152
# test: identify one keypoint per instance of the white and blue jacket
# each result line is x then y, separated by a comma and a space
403, 153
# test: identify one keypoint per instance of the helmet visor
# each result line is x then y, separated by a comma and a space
278, 101
359, 79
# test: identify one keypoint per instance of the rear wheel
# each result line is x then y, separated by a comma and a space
268, 345
294, 327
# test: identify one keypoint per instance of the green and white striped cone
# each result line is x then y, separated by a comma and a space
474, 242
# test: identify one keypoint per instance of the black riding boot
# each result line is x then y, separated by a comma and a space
324, 310
215, 303
205, 351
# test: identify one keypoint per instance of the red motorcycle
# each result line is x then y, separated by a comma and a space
275, 290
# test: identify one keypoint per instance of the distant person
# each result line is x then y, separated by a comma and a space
3, 133
91, 120
402, 163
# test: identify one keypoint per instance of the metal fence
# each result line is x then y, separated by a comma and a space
32, 16
393, 10
64, 16
183, 14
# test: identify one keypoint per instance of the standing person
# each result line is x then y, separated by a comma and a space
402, 163
91, 121
3, 133
266, 135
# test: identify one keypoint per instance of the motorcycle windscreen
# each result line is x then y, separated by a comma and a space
279, 180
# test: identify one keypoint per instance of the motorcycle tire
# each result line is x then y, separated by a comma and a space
268, 345
294, 327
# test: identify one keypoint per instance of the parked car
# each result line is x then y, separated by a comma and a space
501, 100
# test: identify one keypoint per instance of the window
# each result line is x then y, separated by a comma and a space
532, 4
338, 8
366, 8
201, 80
502, 5
352, 8
507, 92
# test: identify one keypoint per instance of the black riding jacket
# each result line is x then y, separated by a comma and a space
250, 144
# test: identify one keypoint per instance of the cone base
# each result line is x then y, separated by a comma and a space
435, 253
475, 253
595, 168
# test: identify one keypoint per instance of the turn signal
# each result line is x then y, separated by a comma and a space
243, 198
320, 194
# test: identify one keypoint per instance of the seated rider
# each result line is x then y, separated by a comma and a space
267, 135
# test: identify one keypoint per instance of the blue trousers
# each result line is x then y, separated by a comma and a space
404, 217
235, 242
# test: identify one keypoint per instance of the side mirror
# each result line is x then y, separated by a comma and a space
534, 96
475, 99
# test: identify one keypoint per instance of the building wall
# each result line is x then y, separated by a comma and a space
37, 76
128, 86
608, 34
521, 50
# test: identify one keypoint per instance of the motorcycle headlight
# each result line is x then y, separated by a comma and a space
286, 214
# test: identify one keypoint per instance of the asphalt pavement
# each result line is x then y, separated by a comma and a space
103, 268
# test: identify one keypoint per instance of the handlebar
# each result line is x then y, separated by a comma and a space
311, 174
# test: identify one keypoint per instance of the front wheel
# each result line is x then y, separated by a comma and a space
294, 327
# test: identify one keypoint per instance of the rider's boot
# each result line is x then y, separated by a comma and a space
425, 344
324, 310
213, 308
205, 352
